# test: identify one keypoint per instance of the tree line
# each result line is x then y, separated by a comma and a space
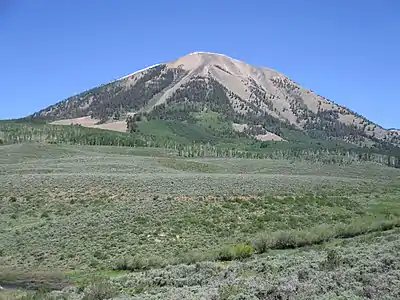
11, 133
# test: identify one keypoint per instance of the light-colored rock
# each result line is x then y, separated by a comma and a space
239, 77
89, 122
269, 136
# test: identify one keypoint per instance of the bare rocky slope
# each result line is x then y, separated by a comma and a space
257, 100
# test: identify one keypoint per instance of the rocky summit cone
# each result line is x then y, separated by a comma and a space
259, 101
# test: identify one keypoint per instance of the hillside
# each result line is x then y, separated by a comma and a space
259, 102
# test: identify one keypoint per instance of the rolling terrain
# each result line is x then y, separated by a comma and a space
108, 222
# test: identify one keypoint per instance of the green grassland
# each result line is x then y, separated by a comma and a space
203, 135
146, 223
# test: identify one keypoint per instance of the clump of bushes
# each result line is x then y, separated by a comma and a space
193, 257
239, 251
101, 289
137, 263
37, 295
333, 260
288, 239
320, 234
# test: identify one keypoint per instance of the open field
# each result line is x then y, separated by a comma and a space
157, 226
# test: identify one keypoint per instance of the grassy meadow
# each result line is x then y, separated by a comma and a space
104, 222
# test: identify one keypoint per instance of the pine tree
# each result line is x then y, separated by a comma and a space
131, 124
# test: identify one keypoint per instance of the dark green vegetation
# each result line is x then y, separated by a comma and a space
204, 137
112, 99
206, 94
326, 124
145, 223
275, 104
201, 111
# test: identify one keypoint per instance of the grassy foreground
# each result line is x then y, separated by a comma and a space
134, 223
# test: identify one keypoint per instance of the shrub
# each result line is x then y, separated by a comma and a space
332, 261
39, 295
239, 251
100, 290
138, 263
99, 255
228, 291
122, 265
385, 225
224, 254
45, 215
193, 257
154, 262
260, 245
316, 235
283, 240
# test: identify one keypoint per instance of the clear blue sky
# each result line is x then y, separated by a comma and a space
346, 50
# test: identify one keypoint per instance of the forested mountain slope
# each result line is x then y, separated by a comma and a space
258, 101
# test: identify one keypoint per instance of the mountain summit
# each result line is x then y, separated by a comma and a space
259, 101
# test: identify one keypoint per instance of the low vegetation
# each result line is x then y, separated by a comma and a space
97, 222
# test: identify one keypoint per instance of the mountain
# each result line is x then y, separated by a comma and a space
256, 101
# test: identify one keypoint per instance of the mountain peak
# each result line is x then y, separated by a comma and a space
200, 58
259, 99
208, 53
188, 60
